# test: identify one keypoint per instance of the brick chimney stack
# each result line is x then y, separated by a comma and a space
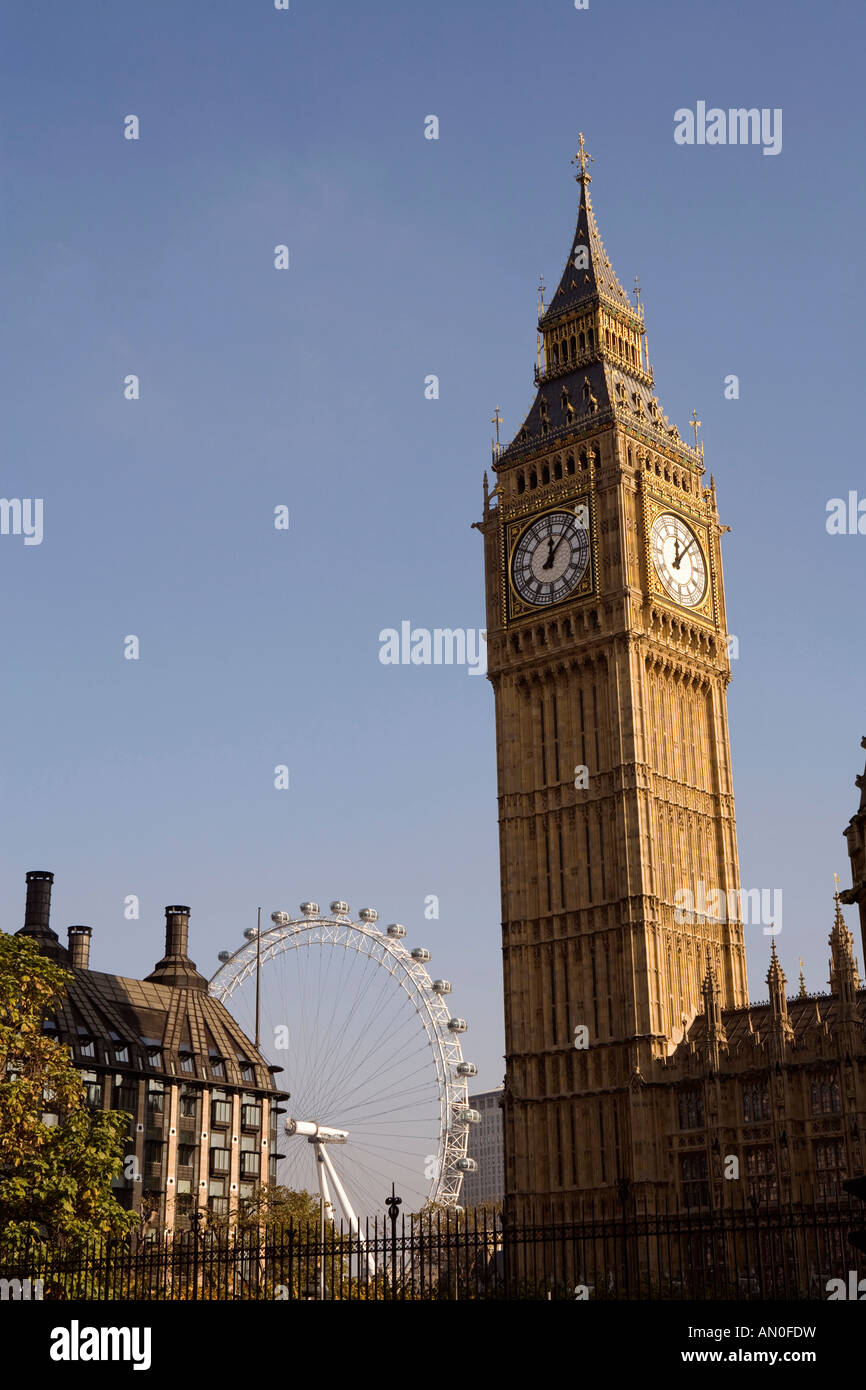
79, 946
176, 968
37, 915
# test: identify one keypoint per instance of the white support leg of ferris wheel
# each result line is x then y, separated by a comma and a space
327, 1204
354, 1224
327, 1210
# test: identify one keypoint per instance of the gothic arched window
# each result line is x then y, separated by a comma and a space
691, 1109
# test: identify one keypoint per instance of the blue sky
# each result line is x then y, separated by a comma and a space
306, 388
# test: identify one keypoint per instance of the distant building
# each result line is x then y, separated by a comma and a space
203, 1101
487, 1183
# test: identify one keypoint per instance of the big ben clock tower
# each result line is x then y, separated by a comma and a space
607, 652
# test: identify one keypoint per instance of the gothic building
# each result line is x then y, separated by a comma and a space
634, 1059
203, 1103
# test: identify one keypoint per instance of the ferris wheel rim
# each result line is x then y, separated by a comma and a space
415, 981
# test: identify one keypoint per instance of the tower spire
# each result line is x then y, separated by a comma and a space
844, 978
716, 1036
781, 1031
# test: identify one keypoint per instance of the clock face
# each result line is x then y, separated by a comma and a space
552, 556
678, 559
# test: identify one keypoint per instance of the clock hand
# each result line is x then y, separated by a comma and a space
683, 553
551, 551
559, 542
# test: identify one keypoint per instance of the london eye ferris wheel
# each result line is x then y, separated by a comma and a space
370, 1052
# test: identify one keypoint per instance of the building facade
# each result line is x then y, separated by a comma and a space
626, 1016
203, 1103
487, 1182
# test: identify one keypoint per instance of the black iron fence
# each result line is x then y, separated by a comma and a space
789, 1251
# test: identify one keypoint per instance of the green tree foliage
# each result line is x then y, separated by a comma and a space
54, 1178
277, 1207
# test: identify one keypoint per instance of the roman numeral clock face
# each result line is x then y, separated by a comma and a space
551, 557
678, 559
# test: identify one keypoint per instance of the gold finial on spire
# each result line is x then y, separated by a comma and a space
538, 344
802, 980
696, 424
497, 421
582, 159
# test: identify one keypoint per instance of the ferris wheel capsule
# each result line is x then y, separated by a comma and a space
442, 986
339, 908
368, 914
251, 933
421, 954
310, 909
468, 1116
457, 1025
466, 1069
280, 919
224, 956
396, 929
466, 1165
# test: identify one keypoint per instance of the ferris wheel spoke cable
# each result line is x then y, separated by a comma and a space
341, 1080
406, 1017
376, 1116
387, 1036
367, 980
428, 1083
353, 1059
360, 1061
339, 1097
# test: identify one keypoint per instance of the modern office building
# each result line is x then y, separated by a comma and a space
487, 1183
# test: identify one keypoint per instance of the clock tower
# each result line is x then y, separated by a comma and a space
607, 652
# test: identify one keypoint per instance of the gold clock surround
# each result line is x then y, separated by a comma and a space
655, 504
513, 528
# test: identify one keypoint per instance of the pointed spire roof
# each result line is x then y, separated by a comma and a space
603, 373
588, 271
842, 962
775, 974
710, 983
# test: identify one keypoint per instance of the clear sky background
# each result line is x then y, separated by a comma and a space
306, 388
